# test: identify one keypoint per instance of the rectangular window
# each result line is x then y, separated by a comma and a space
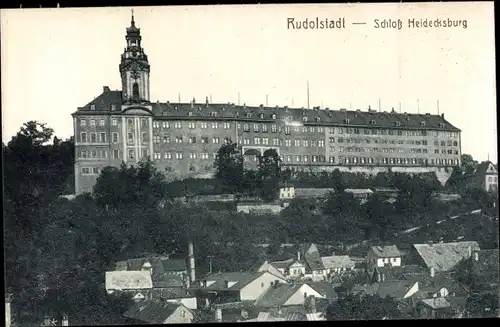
83, 154
156, 139
306, 158
287, 130
156, 124
178, 139
264, 128
192, 155
192, 125
215, 140
144, 123
165, 124
130, 137
204, 139
215, 125
273, 128
83, 122
227, 140
179, 155
265, 141
83, 137
157, 156
101, 122
255, 127
256, 140
131, 154
227, 125
192, 139
178, 124
144, 136
103, 137
116, 154
144, 153
104, 154
321, 143
297, 158
167, 155
92, 122
93, 138
115, 137
166, 139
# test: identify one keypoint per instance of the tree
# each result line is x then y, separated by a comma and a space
468, 163
126, 186
269, 174
229, 166
482, 305
363, 307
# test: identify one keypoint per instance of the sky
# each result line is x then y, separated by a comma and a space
56, 60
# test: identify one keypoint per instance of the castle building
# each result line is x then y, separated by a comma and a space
182, 139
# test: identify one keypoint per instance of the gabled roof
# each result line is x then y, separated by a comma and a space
240, 280
313, 258
284, 264
445, 256
163, 268
104, 101
485, 167
128, 280
270, 316
388, 251
153, 312
393, 288
358, 190
437, 303
313, 192
324, 288
269, 267
337, 261
277, 295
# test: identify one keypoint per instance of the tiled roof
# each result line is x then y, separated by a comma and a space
337, 261
230, 111
445, 256
282, 264
400, 272
313, 192
128, 280
277, 295
313, 258
389, 251
269, 267
324, 288
162, 267
240, 280
392, 288
482, 168
437, 303
358, 190
153, 312
289, 316
316, 316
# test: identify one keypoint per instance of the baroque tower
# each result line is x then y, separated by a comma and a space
134, 68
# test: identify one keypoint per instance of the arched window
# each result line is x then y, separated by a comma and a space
135, 91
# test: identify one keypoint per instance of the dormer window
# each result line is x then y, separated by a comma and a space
213, 113
398, 123
304, 119
249, 115
318, 119
422, 123
92, 107
273, 116
175, 108
346, 121
373, 122
261, 116
113, 107
441, 125
190, 114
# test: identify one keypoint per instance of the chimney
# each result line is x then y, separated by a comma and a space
105, 89
476, 256
382, 277
379, 278
65, 320
442, 116
8, 319
206, 101
298, 255
433, 272
218, 315
313, 304
192, 273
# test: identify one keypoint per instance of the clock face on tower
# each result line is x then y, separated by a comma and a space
134, 54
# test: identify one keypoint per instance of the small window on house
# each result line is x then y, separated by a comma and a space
249, 115
190, 114
261, 116
398, 123
373, 122
92, 107
273, 116
422, 123
347, 120
318, 119
304, 119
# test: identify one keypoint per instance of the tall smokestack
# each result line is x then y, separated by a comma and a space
8, 300
191, 263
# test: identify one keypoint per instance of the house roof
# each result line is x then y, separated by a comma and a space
399, 272
269, 267
358, 190
388, 251
284, 264
128, 280
482, 168
324, 288
353, 118
445, 256
312, 192
436, 303
316, 316
270, 316
277, 295
313, 258
393, 288
337, 261
162, 267
241, 280
153, 312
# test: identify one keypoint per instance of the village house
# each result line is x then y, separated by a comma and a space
396, 289
160, 312
271, 268
440, 307
286, 295
485, 177
337, 264
483, 268
234, 286
379, 256
441, 257
137, 283
360, 194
